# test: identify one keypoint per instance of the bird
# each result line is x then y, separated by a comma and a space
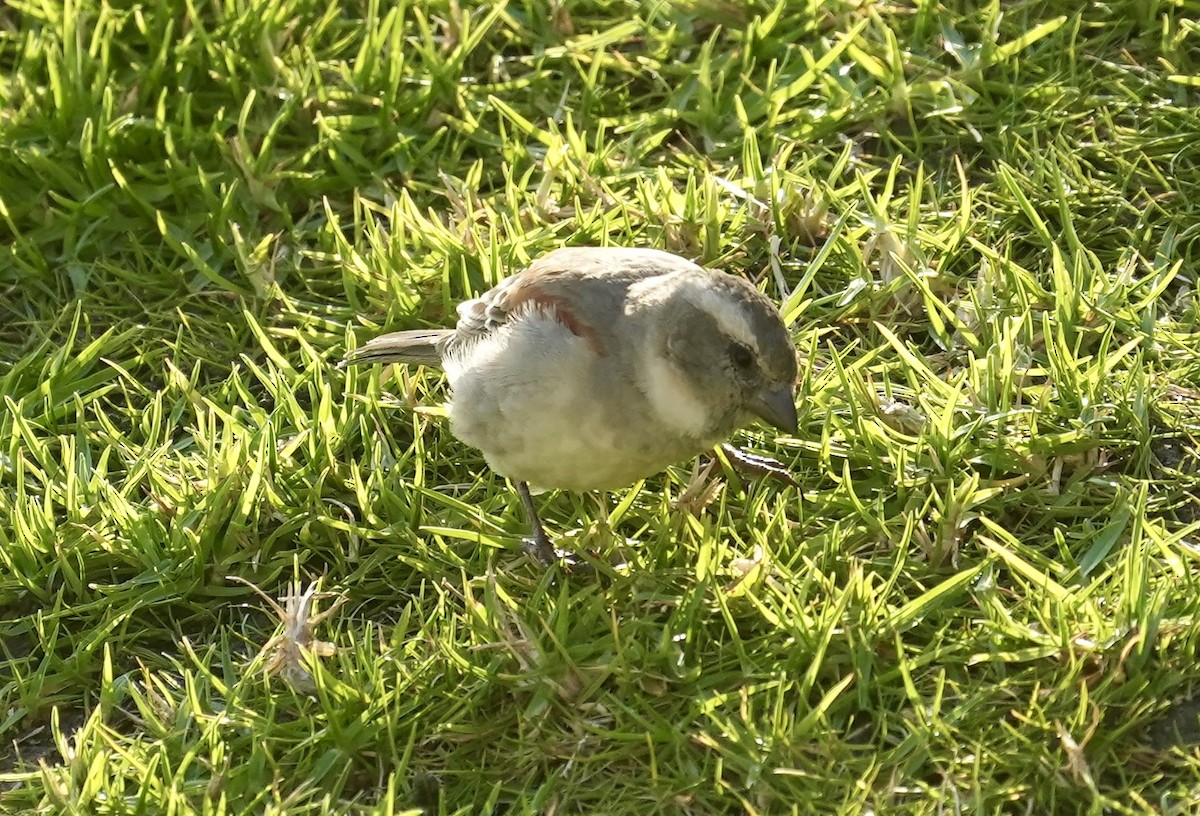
596, 367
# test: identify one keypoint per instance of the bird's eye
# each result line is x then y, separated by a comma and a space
741, 356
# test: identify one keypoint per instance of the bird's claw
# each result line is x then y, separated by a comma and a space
540, 548
546, 554
756, 465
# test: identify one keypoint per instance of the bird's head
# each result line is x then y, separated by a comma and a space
728, 355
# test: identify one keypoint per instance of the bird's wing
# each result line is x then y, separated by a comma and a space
485, 314
561, 283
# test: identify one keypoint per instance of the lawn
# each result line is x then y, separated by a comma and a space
235, 579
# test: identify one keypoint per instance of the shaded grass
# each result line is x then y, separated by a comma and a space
980, 222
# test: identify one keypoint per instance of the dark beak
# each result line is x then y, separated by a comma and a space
777, 406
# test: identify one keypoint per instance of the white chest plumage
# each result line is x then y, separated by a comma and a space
526, 397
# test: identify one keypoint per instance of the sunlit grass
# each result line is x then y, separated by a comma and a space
981, 224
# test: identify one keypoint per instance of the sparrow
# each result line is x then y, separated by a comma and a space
599, 366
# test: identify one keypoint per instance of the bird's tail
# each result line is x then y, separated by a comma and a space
421, 346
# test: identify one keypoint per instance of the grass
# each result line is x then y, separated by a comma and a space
982, 221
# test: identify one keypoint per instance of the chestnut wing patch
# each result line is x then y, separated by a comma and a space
491, 310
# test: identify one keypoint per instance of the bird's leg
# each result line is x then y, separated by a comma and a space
539, 545
752, 464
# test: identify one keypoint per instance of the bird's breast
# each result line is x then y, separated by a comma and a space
545, 408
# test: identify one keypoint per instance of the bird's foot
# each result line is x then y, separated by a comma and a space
538, 545
755, 465
545, 553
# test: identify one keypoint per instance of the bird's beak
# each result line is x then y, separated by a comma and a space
777, 406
